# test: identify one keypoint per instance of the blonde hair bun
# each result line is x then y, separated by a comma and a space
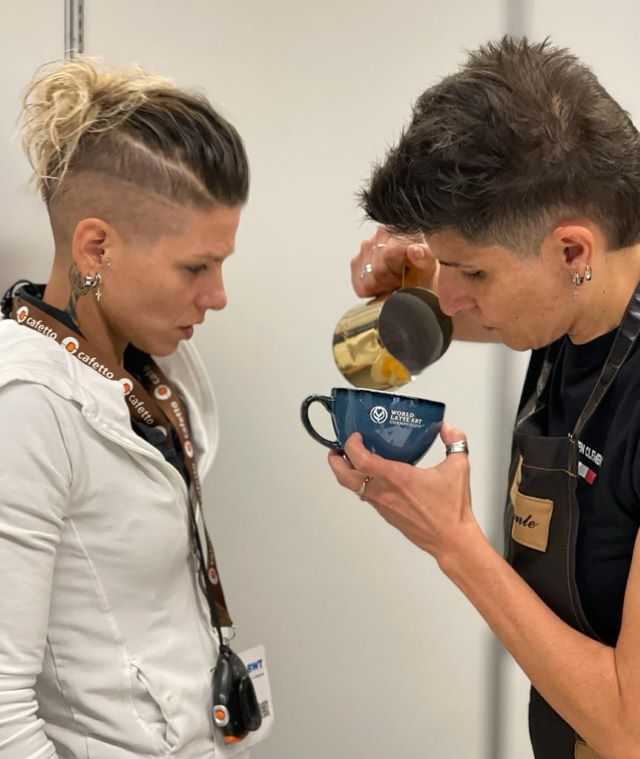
80, 97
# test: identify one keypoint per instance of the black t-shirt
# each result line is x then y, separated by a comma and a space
608, 487
169, 445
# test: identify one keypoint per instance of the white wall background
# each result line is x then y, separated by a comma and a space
27, 39
372, 653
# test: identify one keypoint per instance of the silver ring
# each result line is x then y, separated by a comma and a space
363, 486
460, 446
366, 269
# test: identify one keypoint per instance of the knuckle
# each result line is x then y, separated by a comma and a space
365, 462
357, 458
342, 478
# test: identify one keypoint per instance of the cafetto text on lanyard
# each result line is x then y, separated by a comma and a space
156, 402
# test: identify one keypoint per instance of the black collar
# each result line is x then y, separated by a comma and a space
33, 294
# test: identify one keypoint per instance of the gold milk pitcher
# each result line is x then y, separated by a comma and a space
386, 342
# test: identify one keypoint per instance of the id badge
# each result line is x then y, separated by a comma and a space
256, 663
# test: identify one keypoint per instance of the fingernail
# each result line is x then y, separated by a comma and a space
417, 251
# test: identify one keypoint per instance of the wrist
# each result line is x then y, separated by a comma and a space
463, 553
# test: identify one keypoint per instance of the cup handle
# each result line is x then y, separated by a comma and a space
304, 415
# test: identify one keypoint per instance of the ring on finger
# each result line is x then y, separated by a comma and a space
460, 446
363, 486
366, 269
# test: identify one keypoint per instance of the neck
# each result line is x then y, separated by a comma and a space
602, 302
86, 313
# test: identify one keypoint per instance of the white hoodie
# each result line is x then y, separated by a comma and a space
106, 650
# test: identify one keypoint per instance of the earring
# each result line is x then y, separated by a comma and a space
579, 279
92, 282
89, 282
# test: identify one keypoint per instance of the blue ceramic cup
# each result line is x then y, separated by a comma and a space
393, 426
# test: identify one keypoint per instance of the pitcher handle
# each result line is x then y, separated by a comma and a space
325, 401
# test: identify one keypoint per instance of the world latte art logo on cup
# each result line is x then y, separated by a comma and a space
396, 427
379, 414
405, 418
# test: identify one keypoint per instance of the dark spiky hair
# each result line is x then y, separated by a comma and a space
522, 135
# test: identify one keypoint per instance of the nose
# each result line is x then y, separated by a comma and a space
452, 293
213, 296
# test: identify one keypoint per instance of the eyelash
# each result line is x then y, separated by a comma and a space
474, 274
196, 269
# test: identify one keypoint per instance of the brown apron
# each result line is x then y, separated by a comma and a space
541, 523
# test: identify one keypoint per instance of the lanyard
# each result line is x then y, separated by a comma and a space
156, 402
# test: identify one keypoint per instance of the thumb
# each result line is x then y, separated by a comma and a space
454, 460
450, 434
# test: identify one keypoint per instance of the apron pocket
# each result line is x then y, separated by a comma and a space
149, 709
531, 520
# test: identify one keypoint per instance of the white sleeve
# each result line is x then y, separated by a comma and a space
35, 476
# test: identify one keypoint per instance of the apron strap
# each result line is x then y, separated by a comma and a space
534, 403
623, 343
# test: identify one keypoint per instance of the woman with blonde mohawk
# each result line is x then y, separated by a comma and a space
113, 623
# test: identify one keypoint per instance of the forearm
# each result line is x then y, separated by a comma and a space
34, 481
576, 675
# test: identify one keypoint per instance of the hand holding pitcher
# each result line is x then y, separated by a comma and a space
378, 267
385, 342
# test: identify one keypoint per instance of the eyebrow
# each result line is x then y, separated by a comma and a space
457, 265
215, 256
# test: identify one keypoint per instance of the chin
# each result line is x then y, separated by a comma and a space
519, 343
528, 344
159, 348
162, 352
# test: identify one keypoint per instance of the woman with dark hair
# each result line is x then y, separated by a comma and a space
112, 616
523, 176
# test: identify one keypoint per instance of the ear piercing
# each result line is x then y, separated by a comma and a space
579, 279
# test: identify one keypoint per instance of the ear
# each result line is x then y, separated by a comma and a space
572, 246
92, 239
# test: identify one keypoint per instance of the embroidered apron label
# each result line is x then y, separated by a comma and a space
531, 516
